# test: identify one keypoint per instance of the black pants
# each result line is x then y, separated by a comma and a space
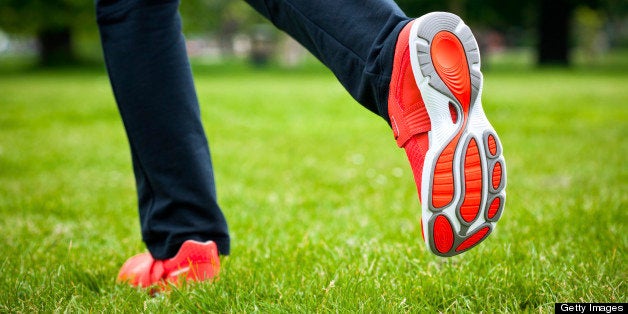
153, 86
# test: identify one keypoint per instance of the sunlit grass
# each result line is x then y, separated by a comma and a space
321, 204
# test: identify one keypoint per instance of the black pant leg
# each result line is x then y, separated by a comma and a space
354, 38
152, 82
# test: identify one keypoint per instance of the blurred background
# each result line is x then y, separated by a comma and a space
321, 204
526, 33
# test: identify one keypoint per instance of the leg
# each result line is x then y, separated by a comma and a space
355, 39
424, 78
152, 82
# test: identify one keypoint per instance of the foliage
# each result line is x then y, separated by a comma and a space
202, 16
32, 16
518, 20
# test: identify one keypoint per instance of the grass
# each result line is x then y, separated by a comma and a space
321, 203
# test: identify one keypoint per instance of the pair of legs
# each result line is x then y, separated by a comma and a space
153, 86
421, 76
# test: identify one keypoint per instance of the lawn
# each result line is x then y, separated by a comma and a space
321, 203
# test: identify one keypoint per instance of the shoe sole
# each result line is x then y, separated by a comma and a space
464, 176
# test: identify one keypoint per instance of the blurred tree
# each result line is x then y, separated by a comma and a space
53, 22
554, 32
550, 18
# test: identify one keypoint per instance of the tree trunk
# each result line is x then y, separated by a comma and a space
56, 47
553, 28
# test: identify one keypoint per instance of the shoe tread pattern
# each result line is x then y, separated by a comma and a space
468, 176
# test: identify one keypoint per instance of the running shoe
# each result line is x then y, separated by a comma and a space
195, 261
437, 117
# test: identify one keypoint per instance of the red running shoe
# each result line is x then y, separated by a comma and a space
195, 261
437, 117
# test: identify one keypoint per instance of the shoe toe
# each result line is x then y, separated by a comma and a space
136, 270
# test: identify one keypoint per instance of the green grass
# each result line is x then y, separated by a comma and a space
321, 204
